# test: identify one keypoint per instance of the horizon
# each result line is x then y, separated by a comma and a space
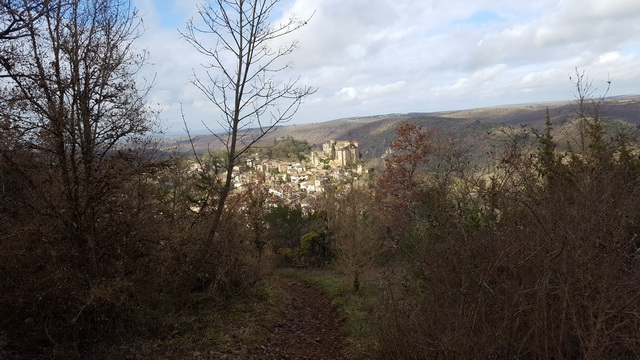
182, 133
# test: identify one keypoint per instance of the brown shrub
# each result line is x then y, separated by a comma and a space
539, 260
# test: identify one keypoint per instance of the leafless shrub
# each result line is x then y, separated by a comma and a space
545, 267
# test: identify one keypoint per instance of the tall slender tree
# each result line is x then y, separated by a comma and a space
242, 44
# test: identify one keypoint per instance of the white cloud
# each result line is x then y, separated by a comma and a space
609, 57
383, 56
386, 89
348, 93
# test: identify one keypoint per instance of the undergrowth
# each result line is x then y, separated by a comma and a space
208, 330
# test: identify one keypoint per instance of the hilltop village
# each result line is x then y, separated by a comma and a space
298, 183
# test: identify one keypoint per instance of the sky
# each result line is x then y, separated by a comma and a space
374, 57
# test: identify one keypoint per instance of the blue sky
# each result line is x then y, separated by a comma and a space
169, 15
370, 57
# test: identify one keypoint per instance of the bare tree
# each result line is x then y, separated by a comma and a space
241, 43
17, 17
72, 100
72, 117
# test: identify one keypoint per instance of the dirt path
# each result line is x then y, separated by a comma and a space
309, 329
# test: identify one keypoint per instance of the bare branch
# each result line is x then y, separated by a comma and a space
251, 102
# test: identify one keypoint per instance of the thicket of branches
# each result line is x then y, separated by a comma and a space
75, 164
95, 228
534, 258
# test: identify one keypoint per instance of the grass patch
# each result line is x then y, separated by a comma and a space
207, 329
357, 308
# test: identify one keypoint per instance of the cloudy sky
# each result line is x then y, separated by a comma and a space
370, 57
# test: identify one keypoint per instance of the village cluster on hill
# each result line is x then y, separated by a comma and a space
298, 183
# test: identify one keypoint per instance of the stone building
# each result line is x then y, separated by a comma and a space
341, 153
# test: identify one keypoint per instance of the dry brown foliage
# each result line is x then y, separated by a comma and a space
540, 261
399, 186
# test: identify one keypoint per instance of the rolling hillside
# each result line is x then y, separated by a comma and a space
464, 126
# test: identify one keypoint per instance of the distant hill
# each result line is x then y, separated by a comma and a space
475, 126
